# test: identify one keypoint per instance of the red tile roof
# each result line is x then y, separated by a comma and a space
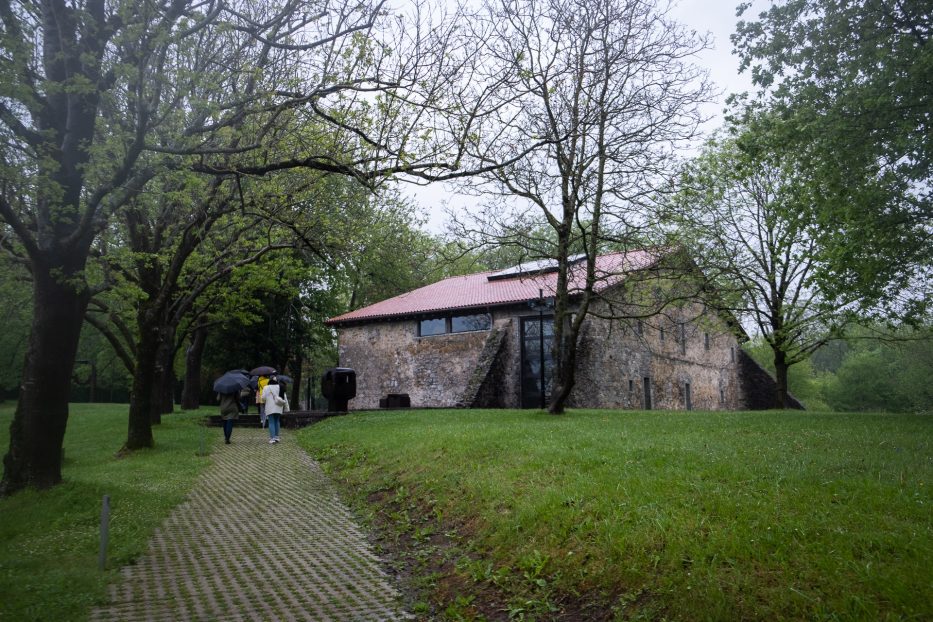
477, 291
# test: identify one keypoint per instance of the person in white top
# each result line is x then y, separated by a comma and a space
274, 403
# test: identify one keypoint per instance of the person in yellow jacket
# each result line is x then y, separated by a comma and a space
261, 384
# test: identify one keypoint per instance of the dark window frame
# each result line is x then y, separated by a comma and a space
487, 326
448, 324
422, 321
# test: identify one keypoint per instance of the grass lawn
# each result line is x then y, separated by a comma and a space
49, 539
647, 515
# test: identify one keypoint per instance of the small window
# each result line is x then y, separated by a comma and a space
722, 395
732, 354
436, 326
466, 323
631, 385
647, 395
662, 333
706, 340
688, 402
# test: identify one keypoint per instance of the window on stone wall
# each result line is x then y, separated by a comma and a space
434, 326
454, 324
688, 399
662, 333
732, 354
631, 385
466, 323
706, 340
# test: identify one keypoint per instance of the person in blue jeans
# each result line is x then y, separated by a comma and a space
274, 402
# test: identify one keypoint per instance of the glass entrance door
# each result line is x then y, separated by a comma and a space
537, 335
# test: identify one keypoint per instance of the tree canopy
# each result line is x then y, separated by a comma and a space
851, 82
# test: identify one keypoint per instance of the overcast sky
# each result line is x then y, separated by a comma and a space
714, 16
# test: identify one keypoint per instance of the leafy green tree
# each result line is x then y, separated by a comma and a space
15, 310
884, 370
99, 99
745, 217
852, 84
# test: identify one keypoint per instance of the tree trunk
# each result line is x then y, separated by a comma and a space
139, 434
567, 373
780, 376
167, 366
191, 394
38, 427
296, 387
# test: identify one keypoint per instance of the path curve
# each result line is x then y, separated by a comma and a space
262, 536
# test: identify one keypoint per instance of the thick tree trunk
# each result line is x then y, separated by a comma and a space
139, 434
191, 394
167, 372
780, 376
38, 427
566, 373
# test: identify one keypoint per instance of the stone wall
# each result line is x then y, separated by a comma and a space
390, 357
683, 346
614, 358
484, 390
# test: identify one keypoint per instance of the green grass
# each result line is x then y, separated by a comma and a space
49, 540
683, 516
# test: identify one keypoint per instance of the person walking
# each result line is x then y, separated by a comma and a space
260, 404
230, 409
274, 403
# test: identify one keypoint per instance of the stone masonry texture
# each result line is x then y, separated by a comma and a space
262, 536
698, 353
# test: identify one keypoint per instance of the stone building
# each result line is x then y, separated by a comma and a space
479, 341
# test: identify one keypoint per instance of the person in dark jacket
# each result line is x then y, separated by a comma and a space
230, 408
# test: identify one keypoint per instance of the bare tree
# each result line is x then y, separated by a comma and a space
598, 94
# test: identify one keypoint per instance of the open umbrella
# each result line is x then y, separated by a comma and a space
231, 382
263, 370
283, 378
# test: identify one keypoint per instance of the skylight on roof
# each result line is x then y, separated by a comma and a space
541, 266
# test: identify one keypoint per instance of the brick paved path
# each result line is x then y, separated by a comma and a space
262, 536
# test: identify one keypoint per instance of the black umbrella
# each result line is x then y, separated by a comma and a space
263, 370
231, 382
283, 378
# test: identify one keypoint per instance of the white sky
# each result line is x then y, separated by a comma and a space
714, 16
